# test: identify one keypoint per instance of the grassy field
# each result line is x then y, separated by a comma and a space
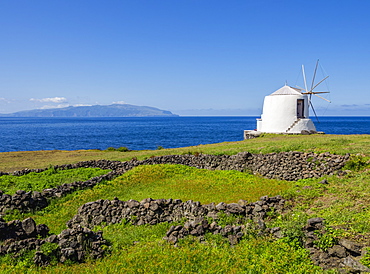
339, 144
344, 203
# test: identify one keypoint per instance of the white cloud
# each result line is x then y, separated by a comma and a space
50, 100
55, 106
82, 105
119, 103
4, 100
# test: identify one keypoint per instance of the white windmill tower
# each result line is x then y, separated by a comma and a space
287, 110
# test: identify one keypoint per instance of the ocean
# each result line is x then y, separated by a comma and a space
142, 133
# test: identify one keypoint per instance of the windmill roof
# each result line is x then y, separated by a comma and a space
287, 90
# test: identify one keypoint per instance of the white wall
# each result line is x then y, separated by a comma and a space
280, 112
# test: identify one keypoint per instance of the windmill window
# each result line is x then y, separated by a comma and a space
300, 108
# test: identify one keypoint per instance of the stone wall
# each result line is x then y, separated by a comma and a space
293, 165
22, 201
79, 242
200, 219
285, 166
75, 244
290, 166
149, 211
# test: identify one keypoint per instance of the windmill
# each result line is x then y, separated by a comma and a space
286, 110
313, 86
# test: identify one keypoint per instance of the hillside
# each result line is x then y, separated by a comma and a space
318, 225
115, 110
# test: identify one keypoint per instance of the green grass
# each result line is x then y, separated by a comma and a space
188, 183
162, 181
253, 256
47, 179
141, 250
344, 203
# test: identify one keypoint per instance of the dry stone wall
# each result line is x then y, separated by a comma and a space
79, 242
22, 201
293, 165
149, 211
290, 166
75, 244
285, 166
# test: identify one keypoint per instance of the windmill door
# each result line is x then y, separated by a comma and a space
300, 108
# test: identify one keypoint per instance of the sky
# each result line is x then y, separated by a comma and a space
191, 57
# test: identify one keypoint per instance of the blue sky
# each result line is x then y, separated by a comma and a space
193, 57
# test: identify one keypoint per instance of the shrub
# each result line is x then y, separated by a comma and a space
357, 163
123, 149
291, 226
327, 239
120, 149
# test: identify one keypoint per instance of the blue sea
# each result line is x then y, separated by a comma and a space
142, 133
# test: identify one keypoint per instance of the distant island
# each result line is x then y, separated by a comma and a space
114, 110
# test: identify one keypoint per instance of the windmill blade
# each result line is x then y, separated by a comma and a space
314, 93
304, 78
314, 74
314, 112
319, 83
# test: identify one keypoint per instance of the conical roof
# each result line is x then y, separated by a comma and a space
287, 90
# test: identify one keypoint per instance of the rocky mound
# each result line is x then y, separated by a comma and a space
75, 244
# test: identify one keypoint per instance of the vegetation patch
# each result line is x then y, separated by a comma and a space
120, 149
189, 183
358, 162
49, 178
